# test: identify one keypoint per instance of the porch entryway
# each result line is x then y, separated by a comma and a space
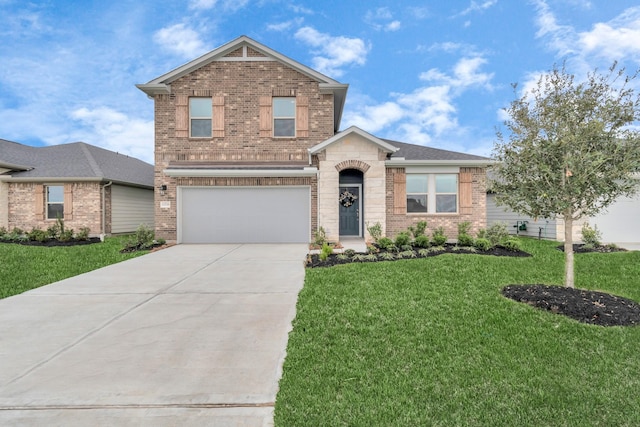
350, 203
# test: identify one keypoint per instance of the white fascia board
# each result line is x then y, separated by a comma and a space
353, 129
155, 89
9, 178
231, 173
464, 163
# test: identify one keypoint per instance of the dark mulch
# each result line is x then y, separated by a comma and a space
52, 242
595, 308
334, 259
581, 248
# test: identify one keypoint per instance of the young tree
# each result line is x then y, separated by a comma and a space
571, 151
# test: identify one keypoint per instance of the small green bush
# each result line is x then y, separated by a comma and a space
387, 256
497, 233
438, 237
53, 231
320, 236
325, 252
384, 243
422, 241
375, 231
591, 236
465, 240
423, 252
37, 235
419, 229
349, 252
406, 254
342, 257
512, 244
403, 239
3, 232
83, 234
66, 235
483, 244
481, 234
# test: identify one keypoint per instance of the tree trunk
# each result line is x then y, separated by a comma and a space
568, 251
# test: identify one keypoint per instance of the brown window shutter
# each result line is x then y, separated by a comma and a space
182, 116
302, 117
39, 195
218, 116
266, 116
68, 201
399, 193
466, 193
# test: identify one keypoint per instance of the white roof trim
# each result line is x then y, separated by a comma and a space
353, 129
401, 162
268, 173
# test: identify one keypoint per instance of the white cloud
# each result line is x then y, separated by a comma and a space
478, 7
286, 25
333, 53
181, 40
232, 5
113, 130
615, 39
429, 111
382, 19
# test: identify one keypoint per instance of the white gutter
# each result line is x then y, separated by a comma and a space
104, 210
267, 173
401, 162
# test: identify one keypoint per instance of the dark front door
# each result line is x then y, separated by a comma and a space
349, 203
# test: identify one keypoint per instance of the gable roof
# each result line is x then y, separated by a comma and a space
162, 84
420, 153
389, 148
75, 161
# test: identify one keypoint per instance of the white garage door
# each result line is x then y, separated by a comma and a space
244, 215
620, 223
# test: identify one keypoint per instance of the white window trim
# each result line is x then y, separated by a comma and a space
294, 117
191, 118
431, 193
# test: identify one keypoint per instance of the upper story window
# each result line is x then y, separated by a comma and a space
284, 116
200, 117
55, 201
432, 193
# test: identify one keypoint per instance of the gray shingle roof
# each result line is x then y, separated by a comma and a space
74, 160
420, 152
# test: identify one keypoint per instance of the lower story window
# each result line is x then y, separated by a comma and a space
55, 201
432, 193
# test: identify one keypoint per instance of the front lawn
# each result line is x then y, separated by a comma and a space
433, 342
28, 267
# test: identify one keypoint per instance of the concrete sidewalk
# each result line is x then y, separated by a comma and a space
191, 335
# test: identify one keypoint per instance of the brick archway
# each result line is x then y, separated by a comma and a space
353, 164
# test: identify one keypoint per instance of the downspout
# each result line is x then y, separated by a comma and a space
104, 210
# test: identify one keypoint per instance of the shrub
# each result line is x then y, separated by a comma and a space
320, 236
403, 239
483, 244
3, 232
497, 233
464, 238
591, 236
439, 238
325, 252
37, 235
342, 257
349, 252
83, 234
406, 254
66, 235
384, 242
53, 231
423, 252
422, 241
17, 235
481, 234
387, 256
144, 236
375, 231
512, 244
419, 229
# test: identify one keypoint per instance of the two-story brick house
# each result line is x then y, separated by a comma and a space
248, 149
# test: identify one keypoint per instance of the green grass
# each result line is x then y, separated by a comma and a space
28, 267
432, 342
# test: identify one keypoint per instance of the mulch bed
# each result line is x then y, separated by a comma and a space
51, 242
595, 308
333, 259
581, 248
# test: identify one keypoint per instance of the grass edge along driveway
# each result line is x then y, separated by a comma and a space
28, 267
433, 342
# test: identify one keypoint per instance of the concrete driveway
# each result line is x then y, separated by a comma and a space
193, 335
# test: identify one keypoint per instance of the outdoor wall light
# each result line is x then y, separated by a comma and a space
163, 188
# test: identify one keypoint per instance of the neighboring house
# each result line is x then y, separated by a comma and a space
84, 185
248, 149
617, 223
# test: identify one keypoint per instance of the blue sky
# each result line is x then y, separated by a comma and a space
428, 72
